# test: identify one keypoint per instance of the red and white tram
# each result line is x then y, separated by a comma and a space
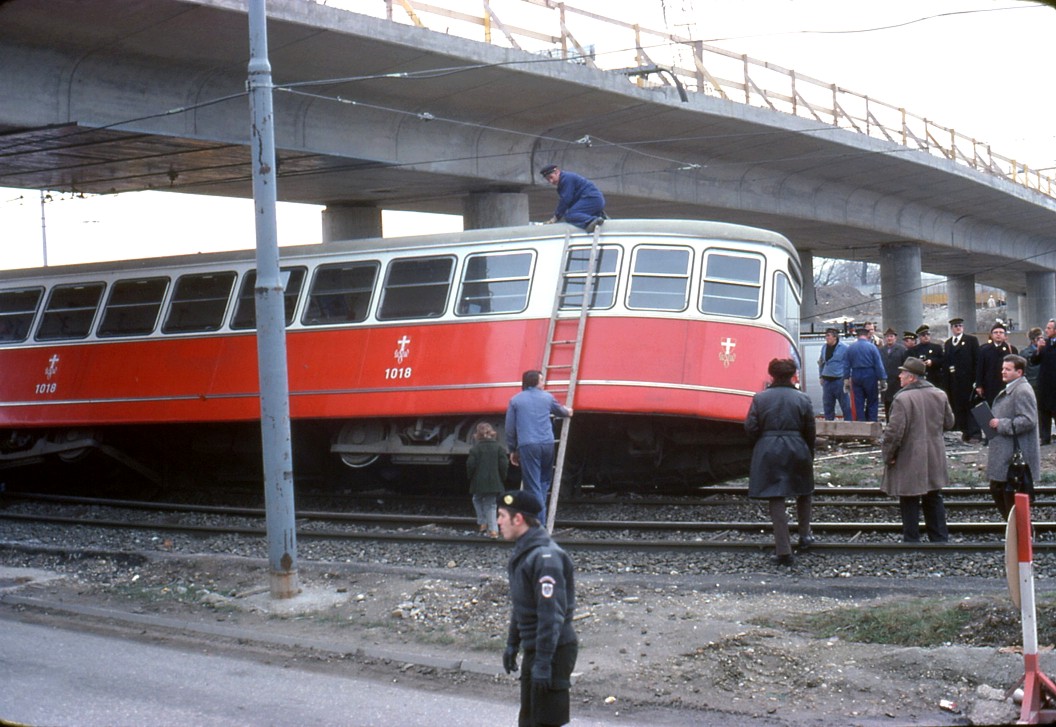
397, 347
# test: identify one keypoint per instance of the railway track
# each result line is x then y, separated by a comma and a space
599, 534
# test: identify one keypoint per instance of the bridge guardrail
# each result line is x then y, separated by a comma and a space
699, 67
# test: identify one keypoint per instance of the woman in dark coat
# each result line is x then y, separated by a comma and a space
780, 427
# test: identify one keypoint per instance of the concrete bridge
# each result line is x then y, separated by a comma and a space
120, 95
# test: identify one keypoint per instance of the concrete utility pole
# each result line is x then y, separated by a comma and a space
271, 321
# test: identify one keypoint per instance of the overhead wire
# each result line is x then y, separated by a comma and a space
874, 29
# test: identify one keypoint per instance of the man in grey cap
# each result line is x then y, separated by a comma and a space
543, 594
915, 453
579, 201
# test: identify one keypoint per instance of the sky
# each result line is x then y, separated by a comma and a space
979, 66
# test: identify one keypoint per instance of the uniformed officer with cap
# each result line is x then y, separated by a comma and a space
543, 596
988, 381
961, 351
932, 356
894, 355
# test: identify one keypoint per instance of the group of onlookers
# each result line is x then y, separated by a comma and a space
967, 371
987, 392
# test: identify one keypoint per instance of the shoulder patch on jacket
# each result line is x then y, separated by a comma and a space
546, 584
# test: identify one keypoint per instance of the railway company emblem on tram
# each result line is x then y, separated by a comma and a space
726, 355
402, 352
53, 366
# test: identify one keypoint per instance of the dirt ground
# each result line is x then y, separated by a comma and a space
653, 649
660, 650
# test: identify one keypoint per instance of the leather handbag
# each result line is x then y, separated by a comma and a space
1019, 477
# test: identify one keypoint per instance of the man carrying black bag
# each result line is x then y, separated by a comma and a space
543, 595
1014, 426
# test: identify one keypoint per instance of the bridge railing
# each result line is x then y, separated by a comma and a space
559, 30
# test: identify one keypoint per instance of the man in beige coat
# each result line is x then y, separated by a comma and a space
915, 453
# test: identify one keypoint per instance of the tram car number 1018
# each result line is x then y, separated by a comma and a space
397, 348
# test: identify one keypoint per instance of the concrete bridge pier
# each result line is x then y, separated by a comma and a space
482, 210
808, 309
1015, 304
1040, 301
902, 305
961, 290
350, 222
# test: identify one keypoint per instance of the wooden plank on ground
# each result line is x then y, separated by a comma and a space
840, 429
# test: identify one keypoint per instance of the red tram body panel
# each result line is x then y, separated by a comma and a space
429, 335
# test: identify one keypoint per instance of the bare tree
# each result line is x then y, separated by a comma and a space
845, 272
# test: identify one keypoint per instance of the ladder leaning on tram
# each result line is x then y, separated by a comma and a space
555, 345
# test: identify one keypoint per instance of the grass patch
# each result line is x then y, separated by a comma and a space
925, 622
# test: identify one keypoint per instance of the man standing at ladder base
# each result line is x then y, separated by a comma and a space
530, 435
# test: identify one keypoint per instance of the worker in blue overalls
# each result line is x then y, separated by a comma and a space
580, 202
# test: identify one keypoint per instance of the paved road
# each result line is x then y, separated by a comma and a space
56, 676
60, 677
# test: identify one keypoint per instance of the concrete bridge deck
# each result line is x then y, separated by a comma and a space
118, 95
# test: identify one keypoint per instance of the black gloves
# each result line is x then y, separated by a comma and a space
540, 676
509, 659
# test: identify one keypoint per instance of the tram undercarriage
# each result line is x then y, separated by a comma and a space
605, 453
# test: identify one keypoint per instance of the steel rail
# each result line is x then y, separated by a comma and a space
561, 537
456, 521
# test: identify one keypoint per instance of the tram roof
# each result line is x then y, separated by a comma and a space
721, 231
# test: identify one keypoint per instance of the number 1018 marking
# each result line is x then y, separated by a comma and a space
398, 372
48, 388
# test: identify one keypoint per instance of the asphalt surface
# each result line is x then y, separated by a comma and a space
67, 663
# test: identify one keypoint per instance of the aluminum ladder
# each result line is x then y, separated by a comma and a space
564, 349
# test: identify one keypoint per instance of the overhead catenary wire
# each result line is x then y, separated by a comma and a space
873, 29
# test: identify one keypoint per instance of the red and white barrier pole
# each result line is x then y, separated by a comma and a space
1037, 687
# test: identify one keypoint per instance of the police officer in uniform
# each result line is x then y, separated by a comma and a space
932, 356
962, 356
543, 594
988, 381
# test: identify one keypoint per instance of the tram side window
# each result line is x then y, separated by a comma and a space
199, 302
340, 293
17, 309
786, 305
133, 307
605, 276
69, 312
416, 288
660, 278
732, 285
495, 283
246, 312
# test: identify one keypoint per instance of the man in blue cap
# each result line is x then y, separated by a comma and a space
580, 202
543, 597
